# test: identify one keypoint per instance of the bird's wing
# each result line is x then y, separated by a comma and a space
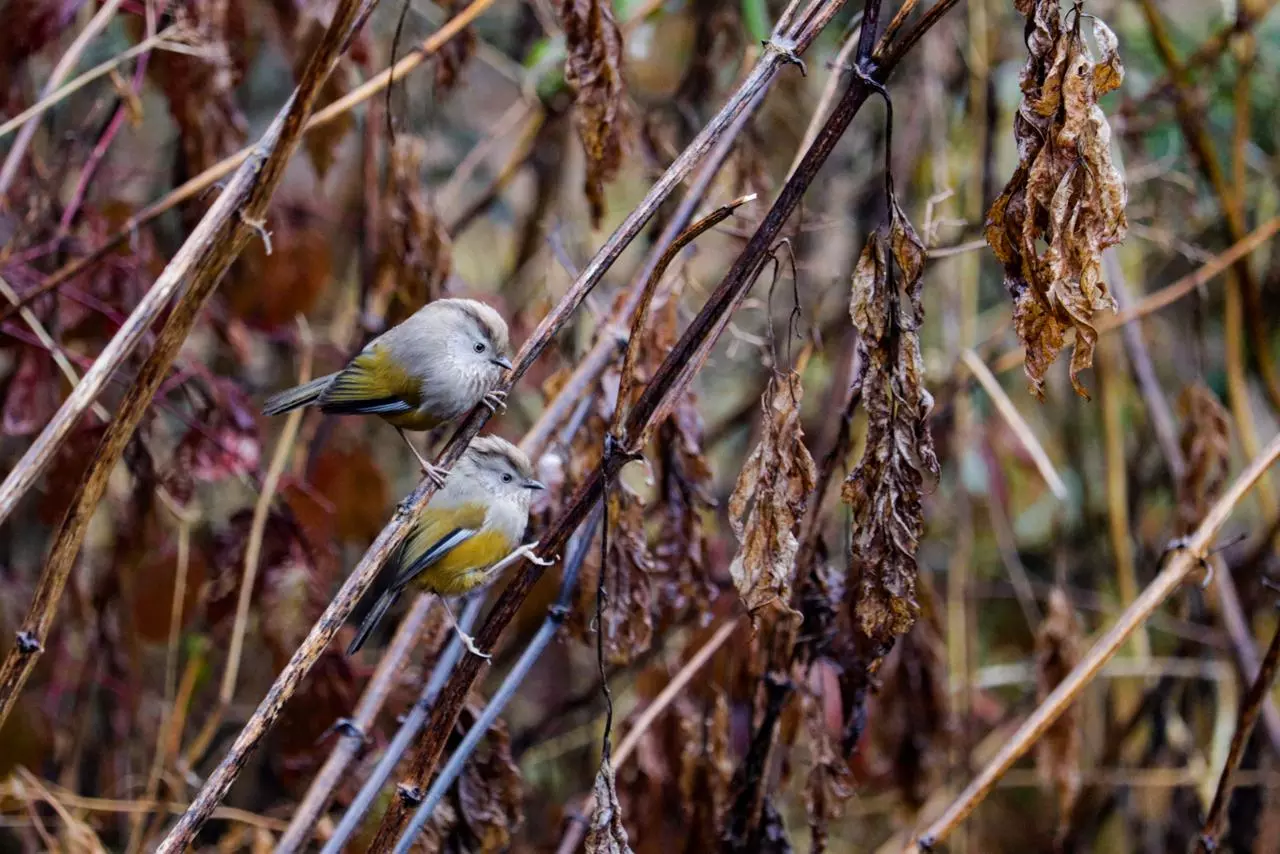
374, 383
440, 531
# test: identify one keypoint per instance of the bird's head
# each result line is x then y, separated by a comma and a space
478, 338
501, 469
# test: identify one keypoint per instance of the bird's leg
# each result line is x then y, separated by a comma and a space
467, 640
528, 550
435, 473
495, 400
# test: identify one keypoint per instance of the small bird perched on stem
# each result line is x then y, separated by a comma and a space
430, 369
470, 530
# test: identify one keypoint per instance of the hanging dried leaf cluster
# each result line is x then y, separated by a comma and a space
769, 501
884, 490
593, 71
1065, 195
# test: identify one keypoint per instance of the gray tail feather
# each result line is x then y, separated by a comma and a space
291, 399
371, 620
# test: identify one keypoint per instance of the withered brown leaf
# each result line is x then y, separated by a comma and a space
1057, 652
884, 490
417, 254
769, 501
1064, 193
593, 72
1206, 446
606, 834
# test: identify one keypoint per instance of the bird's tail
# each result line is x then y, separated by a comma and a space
371, 620
291, 399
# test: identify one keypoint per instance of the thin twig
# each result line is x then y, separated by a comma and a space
690, 234
1182, 562
261, 509
612, 334
1215, 822
1016, 422
364, 800
199, 264
186, 519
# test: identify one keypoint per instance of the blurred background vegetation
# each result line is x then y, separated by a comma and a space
481, 195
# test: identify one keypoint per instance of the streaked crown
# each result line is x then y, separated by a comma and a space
486, 318
488, 451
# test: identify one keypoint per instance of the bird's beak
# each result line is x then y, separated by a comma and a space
534, 484
502, 362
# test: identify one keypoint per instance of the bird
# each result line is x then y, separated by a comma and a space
469, 531
426, 371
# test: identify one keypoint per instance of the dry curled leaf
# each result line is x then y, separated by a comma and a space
593, 72
1065, 202
1206, 446
769, 501
417, 254
606, 834
627, 617
1057, 652
884, 490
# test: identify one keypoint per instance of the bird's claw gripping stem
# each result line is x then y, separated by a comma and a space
495, 400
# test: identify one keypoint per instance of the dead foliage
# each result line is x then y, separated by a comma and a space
606, 835
885, 489
593, 71
1064, 196
769, 501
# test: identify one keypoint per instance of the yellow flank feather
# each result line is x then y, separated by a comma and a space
375, 377
463, 567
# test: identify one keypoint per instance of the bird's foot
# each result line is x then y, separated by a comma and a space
470, 643
495, 400
435, 474
528, 551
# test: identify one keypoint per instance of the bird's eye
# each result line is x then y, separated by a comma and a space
506, 478
479, 348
